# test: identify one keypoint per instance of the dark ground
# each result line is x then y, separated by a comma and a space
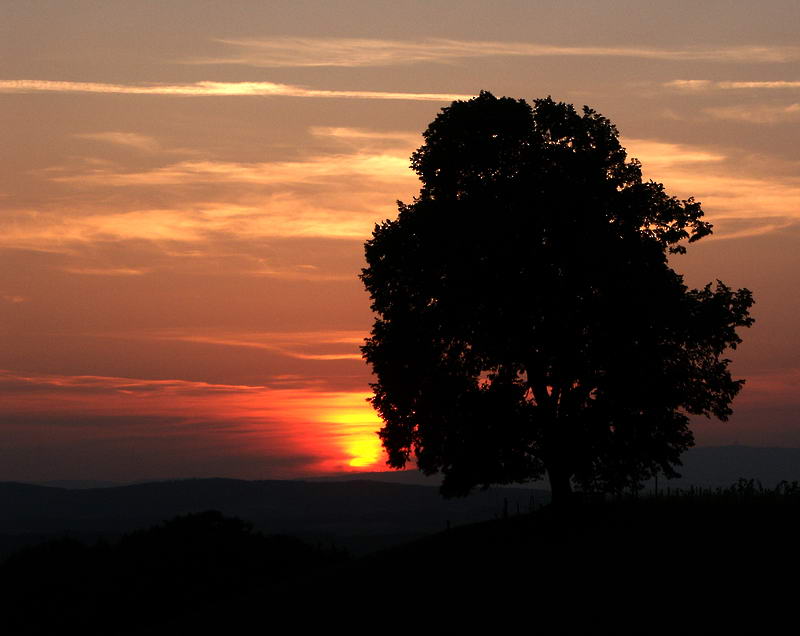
722, 562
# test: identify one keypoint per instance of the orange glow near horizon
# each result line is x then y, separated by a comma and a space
331, 431
339, 427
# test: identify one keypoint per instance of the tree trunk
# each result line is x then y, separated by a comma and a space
560, 486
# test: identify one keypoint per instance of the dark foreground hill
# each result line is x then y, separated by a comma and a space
707, 564
359, 515
147, 577
694, 564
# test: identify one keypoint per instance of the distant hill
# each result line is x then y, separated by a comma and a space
358, 514
723, 465
703, 466
362, 512
707, 466
80, 484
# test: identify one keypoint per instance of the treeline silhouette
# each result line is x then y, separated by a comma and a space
148, 576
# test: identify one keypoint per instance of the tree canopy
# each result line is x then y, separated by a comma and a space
528, 319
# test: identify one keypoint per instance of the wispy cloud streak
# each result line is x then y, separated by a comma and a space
662, 154
760, 113
299, 345
356, 52
377, 166
17, 382
214, 89
126, 139
756, 114
705, 85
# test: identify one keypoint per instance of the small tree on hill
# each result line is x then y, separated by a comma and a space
528, 320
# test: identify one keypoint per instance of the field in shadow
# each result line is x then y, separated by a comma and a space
638, 565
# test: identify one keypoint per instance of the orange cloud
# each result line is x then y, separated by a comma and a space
375, 166
403, 138
341, 195
338, 193
767, 201
107, 271
660, 154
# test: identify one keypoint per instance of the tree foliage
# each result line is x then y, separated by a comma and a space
528, 319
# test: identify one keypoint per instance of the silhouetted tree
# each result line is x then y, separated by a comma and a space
528, 318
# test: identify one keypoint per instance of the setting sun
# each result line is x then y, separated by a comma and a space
356, 425
365, 451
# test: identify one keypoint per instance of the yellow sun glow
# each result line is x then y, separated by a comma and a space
364, 450
357, 425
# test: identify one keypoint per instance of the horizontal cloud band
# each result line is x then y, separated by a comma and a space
701, 84
285, 52
213, 89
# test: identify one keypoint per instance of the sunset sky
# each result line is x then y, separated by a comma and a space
186, 187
